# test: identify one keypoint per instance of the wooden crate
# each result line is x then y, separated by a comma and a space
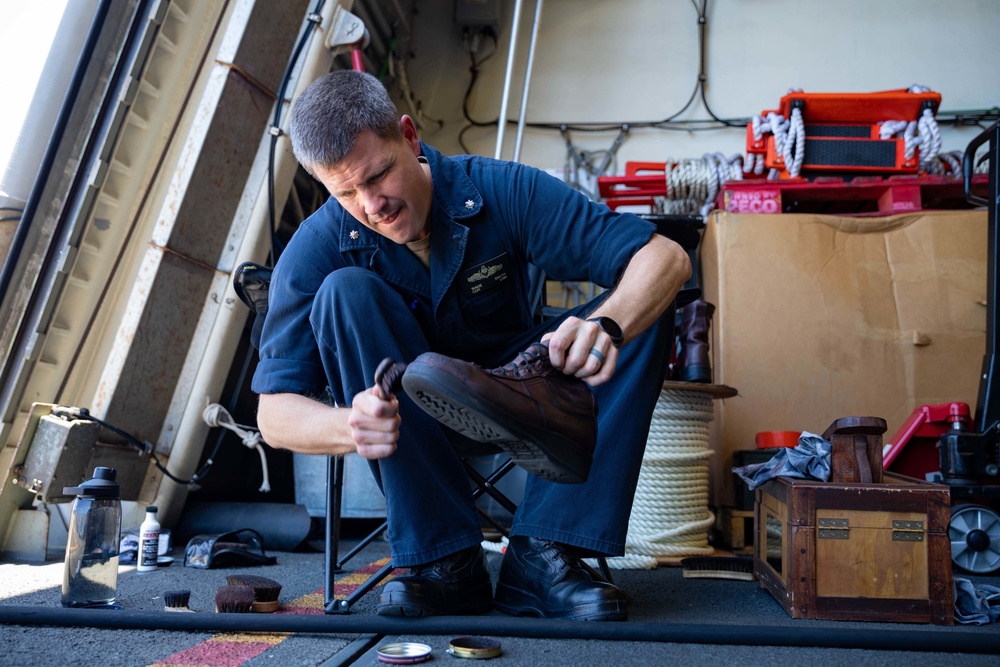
856, 550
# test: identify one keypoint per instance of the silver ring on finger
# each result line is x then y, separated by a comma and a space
597, 353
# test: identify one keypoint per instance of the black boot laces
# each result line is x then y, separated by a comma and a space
571, 563
533, 360
442, 569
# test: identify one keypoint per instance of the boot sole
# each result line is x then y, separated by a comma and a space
449, 401
519, 603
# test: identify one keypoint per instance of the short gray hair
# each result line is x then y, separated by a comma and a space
334, 111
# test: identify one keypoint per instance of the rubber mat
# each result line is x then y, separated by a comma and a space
231, 649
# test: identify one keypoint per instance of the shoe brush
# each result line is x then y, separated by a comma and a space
176, 600
718, 567
234, 599
265, 591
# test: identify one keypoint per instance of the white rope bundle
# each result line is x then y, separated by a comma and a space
950, 163
670, 515
793, 150
930, 140
693, 184
922, 132
789, 141
216, 415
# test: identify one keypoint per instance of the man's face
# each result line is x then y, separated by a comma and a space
383, 186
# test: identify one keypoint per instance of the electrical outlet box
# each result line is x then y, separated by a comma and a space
478, 14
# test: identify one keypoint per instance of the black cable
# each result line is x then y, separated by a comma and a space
942, 640
702, 74
667, 123
312, 21
144, 446
474, 69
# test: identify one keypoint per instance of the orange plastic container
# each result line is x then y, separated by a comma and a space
772, 439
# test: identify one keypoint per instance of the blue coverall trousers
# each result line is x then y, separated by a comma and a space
359, 320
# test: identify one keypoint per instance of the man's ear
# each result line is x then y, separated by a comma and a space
409, 130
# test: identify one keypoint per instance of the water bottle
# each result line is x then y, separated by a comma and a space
149, 542
90, 577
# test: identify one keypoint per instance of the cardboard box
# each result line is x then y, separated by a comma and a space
820, 316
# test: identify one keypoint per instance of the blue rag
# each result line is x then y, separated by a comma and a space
976, 604
810, 459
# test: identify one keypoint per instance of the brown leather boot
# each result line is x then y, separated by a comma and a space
545, 420
694, 360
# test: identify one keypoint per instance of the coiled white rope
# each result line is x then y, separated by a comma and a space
693, 184
922, 132
950, 163
930, 140
496, 547
789, 141
216, 415
794, 149
670, 515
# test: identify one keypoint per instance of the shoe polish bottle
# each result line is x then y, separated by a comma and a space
149, 542
90, 575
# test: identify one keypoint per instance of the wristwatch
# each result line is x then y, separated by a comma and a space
610, 327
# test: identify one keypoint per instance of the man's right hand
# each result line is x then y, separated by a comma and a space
374, 424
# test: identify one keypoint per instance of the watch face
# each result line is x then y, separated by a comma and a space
610, 327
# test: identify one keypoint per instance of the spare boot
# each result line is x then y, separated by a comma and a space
544, 419
693, 360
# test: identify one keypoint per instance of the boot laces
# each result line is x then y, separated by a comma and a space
571, 563
443, 568
533, 360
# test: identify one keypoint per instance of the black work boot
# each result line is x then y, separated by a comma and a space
543, 578
456, 584
544, 419
693, 360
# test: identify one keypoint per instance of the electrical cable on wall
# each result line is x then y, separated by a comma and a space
312, 21
795, 146
214, 415
145, 448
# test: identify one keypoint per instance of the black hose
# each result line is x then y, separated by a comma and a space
919, 639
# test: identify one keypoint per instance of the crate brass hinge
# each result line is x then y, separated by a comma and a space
907, 531
834, 529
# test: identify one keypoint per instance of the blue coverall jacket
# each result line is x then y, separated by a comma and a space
342, 298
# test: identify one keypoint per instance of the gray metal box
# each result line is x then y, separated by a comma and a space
478, 14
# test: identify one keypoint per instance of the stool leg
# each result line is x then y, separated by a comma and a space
602, 562
334, 486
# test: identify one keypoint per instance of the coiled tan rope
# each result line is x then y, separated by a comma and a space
670, 515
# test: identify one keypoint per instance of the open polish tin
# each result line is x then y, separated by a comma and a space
478, 648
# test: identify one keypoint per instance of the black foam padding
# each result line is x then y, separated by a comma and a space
849, 153
853, 131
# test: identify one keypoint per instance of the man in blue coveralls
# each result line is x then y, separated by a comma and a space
383, 270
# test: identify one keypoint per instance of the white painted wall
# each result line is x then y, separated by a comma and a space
637, 60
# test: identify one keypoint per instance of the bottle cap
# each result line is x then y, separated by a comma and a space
151, 508
102, 485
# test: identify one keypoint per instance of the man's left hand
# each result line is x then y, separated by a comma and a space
579, 347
